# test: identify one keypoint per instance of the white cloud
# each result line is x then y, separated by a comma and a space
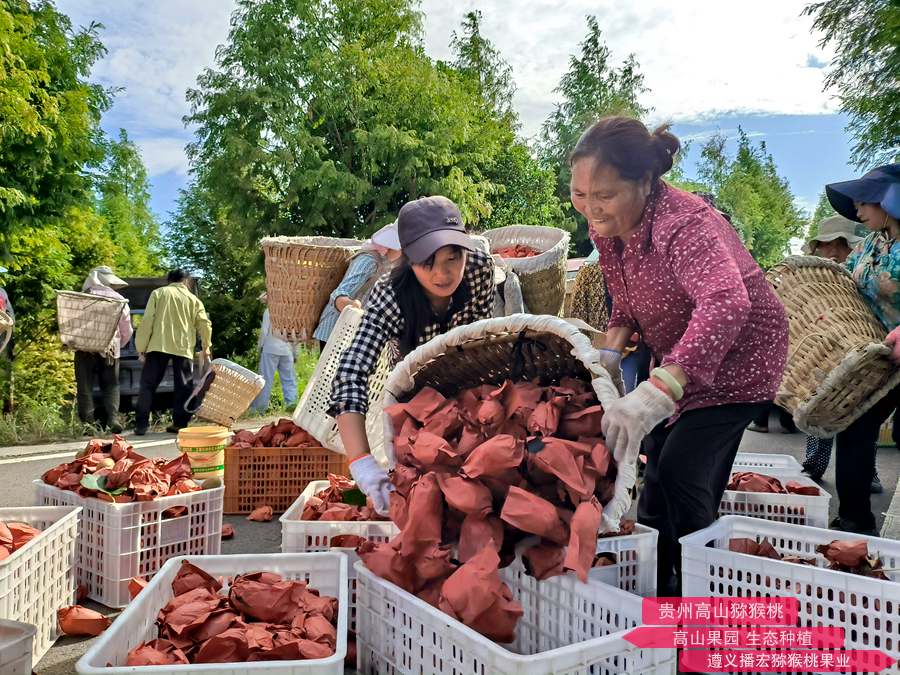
163, 154
700, 59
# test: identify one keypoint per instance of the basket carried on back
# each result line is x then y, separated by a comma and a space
589, 297
518, 347
6, 329
543, 277
311, 413
87, 322
838, 365
301, 272
231, 392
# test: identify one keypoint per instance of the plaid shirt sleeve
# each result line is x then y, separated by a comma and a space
381, 322
481, 283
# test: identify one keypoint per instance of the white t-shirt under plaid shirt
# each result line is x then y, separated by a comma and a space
384, 321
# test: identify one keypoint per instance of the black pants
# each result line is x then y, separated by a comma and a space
152, 374
88, 366
856, 447
688, 467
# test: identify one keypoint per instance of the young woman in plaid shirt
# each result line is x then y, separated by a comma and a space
442, 281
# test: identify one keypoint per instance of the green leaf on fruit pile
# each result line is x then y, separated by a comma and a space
94, 482
354, 497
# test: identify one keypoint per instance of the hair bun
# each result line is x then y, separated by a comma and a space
667, 146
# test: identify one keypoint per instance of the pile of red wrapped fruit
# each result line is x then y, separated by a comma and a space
517, 251
750, 481
842, 555
490, 470
281, 434
263, 617
13, 536
114, 472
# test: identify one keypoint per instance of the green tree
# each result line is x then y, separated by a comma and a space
325, 117
527, 191
480, 61
49, 114
749, 188
123, 200
865, 35
591, 88
822, 211
230, 269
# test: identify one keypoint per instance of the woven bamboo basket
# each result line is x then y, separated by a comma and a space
589, 297
87, 323
6, 328
301, 272
311, 413
232, 391
518, 347
543, 277
838, 365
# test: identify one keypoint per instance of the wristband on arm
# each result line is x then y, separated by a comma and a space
665, 377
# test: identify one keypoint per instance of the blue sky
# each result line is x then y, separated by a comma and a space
709, 65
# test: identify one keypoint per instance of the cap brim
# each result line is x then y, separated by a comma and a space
427, 245
113, 281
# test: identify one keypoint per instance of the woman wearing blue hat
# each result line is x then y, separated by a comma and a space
873, 200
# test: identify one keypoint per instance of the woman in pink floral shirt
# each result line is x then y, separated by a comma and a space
680, 276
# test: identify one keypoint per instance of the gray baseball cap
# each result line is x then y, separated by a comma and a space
428, 224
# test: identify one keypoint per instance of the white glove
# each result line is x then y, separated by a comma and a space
628, 420
373, 481
611, 359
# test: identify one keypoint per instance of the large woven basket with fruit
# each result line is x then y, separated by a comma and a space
538, 257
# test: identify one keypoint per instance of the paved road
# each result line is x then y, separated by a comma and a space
20, 466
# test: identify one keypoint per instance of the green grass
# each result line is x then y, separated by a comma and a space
39, 423
33, 423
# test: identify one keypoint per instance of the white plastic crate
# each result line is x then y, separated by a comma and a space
764, 462
39, 578
891, 526
300, 536
868, 609
635, 568
325, 572
16, 646
568, 627
786, 508
121, 541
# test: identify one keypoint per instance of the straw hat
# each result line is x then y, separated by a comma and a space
835, 227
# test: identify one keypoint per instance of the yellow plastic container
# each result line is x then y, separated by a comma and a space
205, 448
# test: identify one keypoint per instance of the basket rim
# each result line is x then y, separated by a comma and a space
556, 252
834, 382
312, 241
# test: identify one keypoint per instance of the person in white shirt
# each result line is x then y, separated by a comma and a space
275, 356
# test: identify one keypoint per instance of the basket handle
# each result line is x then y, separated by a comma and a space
195, 400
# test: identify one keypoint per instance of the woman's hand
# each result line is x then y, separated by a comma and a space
628, 420
611, 359
893, 340
373, 481
345, 300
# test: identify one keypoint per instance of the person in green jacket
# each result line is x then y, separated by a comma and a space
168, 331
